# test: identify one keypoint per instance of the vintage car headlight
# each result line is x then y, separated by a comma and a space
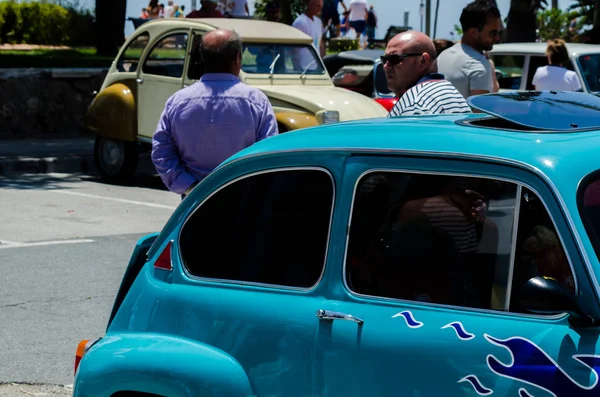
328, 116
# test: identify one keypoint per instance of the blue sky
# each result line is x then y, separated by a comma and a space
390, 12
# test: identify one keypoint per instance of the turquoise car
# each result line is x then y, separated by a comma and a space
450, 255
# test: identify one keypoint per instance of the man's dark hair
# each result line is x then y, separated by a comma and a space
221, 59
476, 13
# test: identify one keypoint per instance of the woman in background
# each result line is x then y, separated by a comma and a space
556, 76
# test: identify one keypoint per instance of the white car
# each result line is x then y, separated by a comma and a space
516, 64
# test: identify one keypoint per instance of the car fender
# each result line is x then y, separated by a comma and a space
112, 113
159, 364
294, 121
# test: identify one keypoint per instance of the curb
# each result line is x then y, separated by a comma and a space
69, 164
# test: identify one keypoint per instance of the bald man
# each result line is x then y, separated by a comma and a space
411, 71
212, 119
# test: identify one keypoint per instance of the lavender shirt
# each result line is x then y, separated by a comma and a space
204, 124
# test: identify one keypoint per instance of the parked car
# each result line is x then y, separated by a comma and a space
161, 57
516, 64
361, 71
453, 255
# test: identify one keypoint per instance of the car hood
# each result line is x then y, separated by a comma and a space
350, 105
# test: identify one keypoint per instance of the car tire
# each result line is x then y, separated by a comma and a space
115, 160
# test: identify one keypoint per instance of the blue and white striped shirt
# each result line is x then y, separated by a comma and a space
431, 95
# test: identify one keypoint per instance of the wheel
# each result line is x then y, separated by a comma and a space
116, 160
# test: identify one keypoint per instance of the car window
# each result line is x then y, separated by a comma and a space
130, 58
448, 240
285, 59
381, 84
167, 56
509, 70
590, 69
269, 228
588, 197
195, 69
538, 61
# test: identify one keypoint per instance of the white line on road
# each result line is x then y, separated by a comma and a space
118, 200
11, 244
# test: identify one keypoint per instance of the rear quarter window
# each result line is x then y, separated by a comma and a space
588, 200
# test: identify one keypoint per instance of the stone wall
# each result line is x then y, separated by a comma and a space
45, 102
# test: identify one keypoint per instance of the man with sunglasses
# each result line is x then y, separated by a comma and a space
465, 64
411, 72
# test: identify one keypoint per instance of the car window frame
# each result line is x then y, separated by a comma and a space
308, 46
124, 49
519, 184
239, 283
152, 45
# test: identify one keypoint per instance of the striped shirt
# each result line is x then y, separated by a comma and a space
431, 95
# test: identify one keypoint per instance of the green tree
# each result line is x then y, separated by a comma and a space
589, 11
555, 23
290, 9
110, 26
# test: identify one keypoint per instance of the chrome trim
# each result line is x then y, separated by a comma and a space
255, 284
462, 308
144, 139
457, 156
513, 248
330, 315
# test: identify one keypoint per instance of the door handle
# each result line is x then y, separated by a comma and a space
139, 80
330, 315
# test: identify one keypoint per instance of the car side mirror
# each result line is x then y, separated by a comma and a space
546, 296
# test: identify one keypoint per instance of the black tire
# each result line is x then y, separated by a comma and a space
115, 160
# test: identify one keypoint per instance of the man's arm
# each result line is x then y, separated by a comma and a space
479, 78
165, 156
267, 123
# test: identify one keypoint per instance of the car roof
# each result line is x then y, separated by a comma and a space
366, 54
540, 48
566, 156
249, 29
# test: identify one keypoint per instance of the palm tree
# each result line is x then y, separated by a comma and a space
521, 21
110, 26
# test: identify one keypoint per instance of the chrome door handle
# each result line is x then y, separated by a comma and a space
329, 315
140, 81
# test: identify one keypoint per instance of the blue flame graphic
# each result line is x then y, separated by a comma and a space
531, 365
410, 320
476, 383
460, 330
524, 393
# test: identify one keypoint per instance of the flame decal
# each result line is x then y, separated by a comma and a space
476, 383
410, 320
460, 330
531, 365
524, 393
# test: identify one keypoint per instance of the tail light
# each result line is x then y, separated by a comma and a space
164, 260
82, 348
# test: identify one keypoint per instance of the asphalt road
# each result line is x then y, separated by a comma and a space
64, 244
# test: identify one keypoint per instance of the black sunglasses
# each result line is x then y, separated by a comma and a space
395, 59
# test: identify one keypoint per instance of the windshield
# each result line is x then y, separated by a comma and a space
381, 84
281, 59
590, 69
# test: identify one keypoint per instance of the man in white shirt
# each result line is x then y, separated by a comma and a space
311, 24
556, 76
238, 8
169, 9
358, 16
464, 64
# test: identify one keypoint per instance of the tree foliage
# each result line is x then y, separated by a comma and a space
555, 23
290, 9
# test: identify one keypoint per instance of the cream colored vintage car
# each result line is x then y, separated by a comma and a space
161, 57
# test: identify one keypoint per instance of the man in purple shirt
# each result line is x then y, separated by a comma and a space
206, 123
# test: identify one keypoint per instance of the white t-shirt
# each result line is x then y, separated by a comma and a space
357, 10
237, 7
555, 78
313, 28
169, 11
466, 68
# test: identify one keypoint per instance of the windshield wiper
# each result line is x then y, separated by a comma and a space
272, 67
306, 68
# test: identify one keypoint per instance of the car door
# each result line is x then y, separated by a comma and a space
194, 70
160, 76
509, 70
432, 301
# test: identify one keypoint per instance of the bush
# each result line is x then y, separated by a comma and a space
44, 23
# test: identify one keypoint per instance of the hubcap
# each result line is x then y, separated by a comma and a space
112, 155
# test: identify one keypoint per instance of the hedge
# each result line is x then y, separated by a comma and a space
44, 23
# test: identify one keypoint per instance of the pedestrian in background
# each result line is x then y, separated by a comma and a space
309, 23
358, 17
371, 26
411, 72
556, 76
209, 121
465, 64
331, 15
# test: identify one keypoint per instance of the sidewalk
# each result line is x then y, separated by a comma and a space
31, 156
